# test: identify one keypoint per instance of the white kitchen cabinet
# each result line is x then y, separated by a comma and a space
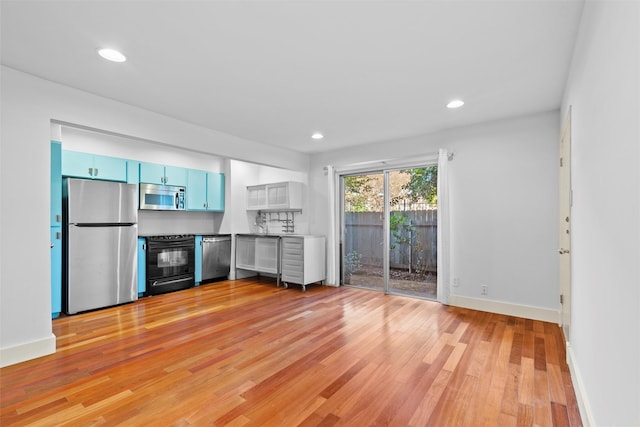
279, 195
258, 253
256, 197
245, 252
303, 260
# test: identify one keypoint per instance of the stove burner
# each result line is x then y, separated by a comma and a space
172, 237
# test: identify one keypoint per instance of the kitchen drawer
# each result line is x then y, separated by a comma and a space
292, 254
293, 277
292, 242
293, 264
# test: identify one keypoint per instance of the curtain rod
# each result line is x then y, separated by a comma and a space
389, 163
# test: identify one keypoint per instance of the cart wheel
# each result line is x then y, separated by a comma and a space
286, 285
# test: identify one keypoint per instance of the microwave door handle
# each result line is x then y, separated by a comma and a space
177, 201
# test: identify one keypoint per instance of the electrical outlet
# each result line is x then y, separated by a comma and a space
456, 282
484, 290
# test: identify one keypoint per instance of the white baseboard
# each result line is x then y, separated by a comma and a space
27, 351
509, 309
578, 387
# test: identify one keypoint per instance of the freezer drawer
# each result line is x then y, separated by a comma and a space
101, 267
216, 257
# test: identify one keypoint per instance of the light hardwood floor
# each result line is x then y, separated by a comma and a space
247, 353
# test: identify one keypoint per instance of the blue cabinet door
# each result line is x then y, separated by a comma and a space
133, 177
56, 271
56, 184
151, 173
198, 260
84, 165
196, 190
133, 172
215, 192
142, 263
175, 176
76, 164
109, 168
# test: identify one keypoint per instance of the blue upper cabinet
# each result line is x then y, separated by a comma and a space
215, 192
196, 190
205, 191
56, 184
175, 176
153, 173
77, 164
92, 166
133, 172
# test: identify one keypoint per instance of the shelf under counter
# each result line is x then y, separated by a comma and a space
259, 253
293, 258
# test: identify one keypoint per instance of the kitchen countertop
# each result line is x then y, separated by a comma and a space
186, 234
278, 235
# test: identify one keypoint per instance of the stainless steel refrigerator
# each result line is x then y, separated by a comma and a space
100, 244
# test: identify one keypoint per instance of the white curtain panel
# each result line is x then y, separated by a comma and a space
332, 243
443, 227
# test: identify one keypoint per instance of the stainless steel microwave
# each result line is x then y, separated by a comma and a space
162, 197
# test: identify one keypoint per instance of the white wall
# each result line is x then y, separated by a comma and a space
241, 174
503, 184
28, 106
603, 91
126, 147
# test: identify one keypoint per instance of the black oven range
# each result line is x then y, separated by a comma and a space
170, 263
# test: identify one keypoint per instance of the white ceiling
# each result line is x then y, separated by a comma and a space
276, 71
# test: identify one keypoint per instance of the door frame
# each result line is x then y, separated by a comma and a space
386, 242
565, 197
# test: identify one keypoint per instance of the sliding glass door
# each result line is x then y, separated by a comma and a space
363, 224
389, 231
413, 232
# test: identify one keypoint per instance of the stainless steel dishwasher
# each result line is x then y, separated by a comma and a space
216, 256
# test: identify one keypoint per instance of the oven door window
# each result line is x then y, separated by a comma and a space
167, 262
173, 258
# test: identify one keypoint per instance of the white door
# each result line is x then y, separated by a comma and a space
565, 226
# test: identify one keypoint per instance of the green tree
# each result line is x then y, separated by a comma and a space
422, 184
356, 192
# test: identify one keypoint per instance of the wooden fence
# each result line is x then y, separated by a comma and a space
413, 246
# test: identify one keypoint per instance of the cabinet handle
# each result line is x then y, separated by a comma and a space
52, 245
58, 218
90, 171
58, 235
204, 205
96, 170
166, 179
144, 246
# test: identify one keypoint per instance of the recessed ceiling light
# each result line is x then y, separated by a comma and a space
317, 135
456, 103
112, 55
